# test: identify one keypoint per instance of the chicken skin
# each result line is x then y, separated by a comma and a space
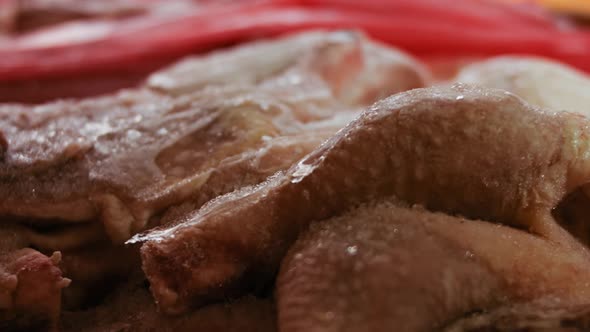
132, 309
386, 267
80, 177
30, 291
550, 85
480, 153
123, 159
539, 81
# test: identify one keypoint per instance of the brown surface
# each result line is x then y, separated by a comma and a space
424, 146
132, 309
30, 291
388, 267
541, 82
83, 176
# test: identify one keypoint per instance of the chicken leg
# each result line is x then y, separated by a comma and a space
481, 153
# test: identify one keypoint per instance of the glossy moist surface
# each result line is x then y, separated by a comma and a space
387, 266
81, 177
126, 157
456, 208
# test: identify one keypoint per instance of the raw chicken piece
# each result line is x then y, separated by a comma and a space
550, 85
81, 177
30, 290
125, 158
481, 153
24, 16
384, 267
539, 81
96, 271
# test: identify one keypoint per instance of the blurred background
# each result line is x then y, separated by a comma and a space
73, 48
579, 8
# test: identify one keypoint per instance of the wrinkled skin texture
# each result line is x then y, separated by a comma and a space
384, 267
424, 147
82, 176
539, 81
125, 158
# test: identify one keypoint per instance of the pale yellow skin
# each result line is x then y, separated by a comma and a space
542, 82
388, 267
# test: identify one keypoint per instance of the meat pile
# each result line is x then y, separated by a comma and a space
79, 178
276, 186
